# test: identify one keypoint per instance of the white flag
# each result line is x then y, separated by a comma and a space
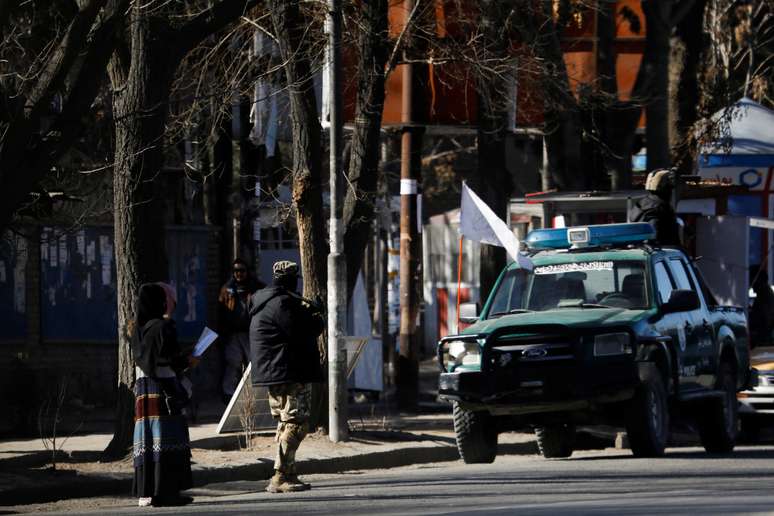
479, 223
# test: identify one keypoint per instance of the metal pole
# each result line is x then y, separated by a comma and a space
235, 240
408, 364
337, 302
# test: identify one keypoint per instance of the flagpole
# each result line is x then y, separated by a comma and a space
459, 282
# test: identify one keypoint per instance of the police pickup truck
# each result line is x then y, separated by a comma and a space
605, 328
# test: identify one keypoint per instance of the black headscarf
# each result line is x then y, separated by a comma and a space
147, 339
151, 303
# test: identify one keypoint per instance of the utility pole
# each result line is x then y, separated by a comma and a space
337, 302
407, 381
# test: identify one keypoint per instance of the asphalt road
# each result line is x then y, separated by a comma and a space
687, 480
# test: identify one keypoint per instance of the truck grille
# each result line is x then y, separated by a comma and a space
534, 348
539, 365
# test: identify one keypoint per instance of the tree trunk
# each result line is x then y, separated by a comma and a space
141, 73
290, 27
657, 19
688, 94
618, 120
364, 161
562, 120
140, 112
494, 183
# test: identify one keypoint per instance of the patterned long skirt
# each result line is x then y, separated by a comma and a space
162, 450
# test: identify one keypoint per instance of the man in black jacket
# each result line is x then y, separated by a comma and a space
656, 207
285, 358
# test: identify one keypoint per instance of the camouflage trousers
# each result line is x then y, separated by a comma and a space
290, 404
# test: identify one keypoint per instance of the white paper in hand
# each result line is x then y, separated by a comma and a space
205, 339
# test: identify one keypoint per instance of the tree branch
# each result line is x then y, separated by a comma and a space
393, 59
6, 6
52, 79
22, 148
211, 21
85, 76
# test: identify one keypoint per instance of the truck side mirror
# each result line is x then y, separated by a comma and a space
468, 312
681, 301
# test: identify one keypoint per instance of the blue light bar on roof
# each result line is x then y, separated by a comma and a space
590, 236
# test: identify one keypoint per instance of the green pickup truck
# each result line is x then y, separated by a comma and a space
604, 328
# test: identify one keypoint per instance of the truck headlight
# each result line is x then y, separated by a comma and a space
456, 353
608, 344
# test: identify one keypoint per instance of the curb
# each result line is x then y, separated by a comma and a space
89, 486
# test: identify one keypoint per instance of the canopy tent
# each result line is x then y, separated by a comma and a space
747, 142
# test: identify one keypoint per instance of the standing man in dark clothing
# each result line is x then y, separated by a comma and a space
234, 319
656, 207
285, 358
762, 312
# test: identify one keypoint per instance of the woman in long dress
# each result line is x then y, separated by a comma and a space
162, 452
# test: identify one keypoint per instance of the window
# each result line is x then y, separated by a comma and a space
681, 275
664, 282
589, 284
501, 302
510, 293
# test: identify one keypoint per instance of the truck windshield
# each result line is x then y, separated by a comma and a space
593, 284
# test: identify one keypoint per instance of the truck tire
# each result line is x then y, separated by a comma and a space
718, 421
647, 418
555, 441
476, 435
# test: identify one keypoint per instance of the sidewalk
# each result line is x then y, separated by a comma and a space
375, 443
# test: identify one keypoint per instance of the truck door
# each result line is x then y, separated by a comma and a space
676, 326
700, 323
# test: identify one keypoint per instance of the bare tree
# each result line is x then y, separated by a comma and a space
370, 20
142, 71
49, 56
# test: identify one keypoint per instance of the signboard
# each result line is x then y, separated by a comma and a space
250, 405
754, 178
187, 257
757, 222
722, 244
247, 403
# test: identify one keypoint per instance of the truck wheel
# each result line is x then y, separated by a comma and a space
555, 441
717, 423
647, 421
476, 435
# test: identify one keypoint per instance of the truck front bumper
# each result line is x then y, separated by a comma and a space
477, 391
